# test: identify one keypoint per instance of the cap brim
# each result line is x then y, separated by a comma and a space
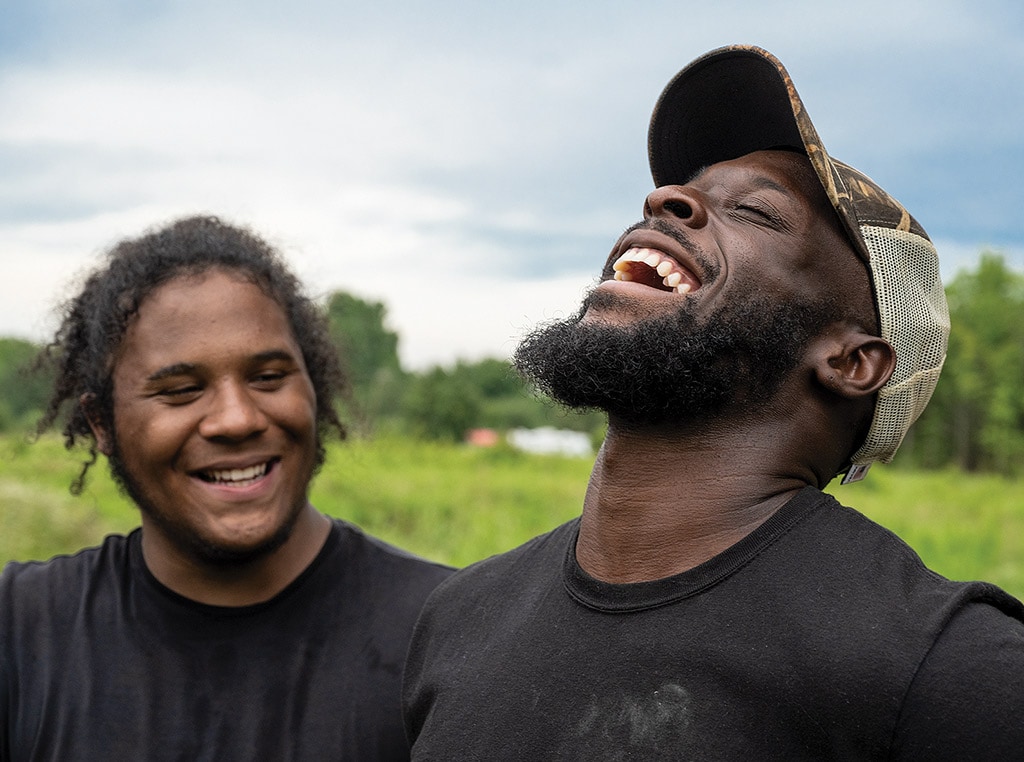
726, 104
729, 103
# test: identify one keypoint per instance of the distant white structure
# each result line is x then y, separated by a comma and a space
547, 440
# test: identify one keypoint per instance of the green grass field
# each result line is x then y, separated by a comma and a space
458, 504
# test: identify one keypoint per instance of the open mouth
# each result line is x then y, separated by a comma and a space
236, 477
654, 268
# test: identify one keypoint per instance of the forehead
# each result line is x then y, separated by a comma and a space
193, 318
783, 170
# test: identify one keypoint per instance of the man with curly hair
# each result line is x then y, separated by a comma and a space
237, 622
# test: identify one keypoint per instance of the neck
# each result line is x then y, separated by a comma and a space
235, 584
660, 502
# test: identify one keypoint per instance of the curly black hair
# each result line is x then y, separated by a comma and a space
94, 322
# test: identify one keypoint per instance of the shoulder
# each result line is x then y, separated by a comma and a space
865, 581
851, 549
518, 572
387, 564
532, 554
862, 553
480, 599
38, 583
361, 543
848, 527
40, 599
965, 700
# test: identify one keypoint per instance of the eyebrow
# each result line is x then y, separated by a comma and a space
177, 369
695, 174
185, 368
761, 182
766, 183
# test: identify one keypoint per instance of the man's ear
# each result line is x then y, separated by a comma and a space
855, 364
104, 442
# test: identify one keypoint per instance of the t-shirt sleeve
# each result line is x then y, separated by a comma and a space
967, 699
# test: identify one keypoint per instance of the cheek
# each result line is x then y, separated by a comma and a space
149, 437
296, 413
770, 274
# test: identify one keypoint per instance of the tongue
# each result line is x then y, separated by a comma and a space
638, 272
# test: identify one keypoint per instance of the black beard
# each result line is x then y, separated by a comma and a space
671, 369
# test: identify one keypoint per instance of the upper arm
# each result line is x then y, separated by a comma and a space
967, 699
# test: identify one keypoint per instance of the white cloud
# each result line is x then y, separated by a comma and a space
405, 152
956, 256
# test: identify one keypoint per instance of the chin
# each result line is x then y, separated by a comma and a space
226, 553
224, 545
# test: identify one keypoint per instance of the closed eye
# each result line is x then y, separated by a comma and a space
756, 210
269, 380
762, 214
180, 395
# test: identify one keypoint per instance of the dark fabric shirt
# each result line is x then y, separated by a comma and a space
99, 661
819, 636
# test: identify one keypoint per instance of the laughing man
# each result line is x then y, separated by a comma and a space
238, 623
776, 319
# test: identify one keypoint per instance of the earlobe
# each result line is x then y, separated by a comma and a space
858, 365
99, 431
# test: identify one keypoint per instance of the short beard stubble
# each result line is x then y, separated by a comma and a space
196, 546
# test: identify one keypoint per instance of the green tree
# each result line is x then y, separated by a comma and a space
976, 417
492, 377
441, 404
507, 401
504, 401
23, 393
367, 346
369, 355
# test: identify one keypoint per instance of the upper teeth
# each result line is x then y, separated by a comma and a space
238, 474
673, 276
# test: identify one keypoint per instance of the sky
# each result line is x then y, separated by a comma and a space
468, 164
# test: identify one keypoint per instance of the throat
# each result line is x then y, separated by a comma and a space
622, 548
647, 516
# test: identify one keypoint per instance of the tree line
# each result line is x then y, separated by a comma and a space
437, 403
975, 420
976, 417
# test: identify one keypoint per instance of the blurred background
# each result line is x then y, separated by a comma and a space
444, 176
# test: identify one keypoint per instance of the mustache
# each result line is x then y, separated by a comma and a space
680, 236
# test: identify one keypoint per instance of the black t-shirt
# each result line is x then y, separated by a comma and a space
99, 661
818, 636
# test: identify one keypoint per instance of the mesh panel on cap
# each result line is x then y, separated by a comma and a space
914, 319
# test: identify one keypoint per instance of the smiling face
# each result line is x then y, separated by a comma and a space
708, 303
757, 224
214, 419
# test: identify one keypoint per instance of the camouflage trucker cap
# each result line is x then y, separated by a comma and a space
739, 99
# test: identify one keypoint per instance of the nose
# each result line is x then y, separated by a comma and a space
234, 413
681, 202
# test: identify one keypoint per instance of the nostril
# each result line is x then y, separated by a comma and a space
679, 209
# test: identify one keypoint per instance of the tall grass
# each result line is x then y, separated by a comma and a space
457, 504
38, 516
451, 503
